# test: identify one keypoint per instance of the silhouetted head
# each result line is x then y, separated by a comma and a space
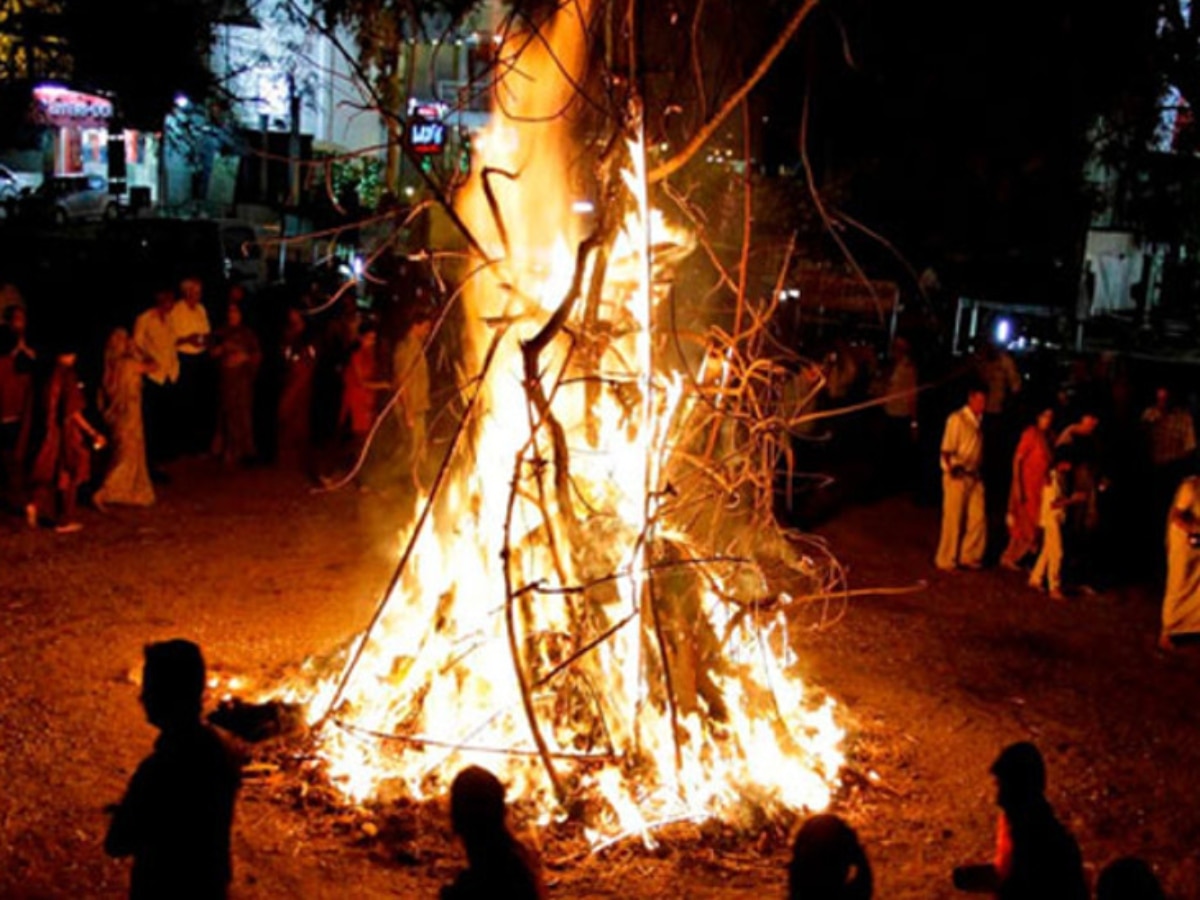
1128, 878
828, 863
117, 345
477, 805
191, 290
977, 398
64, 348
164, 299
1089, 421
1020, 775
1045, 419
15, 318
172, 682
294, 326
422, 324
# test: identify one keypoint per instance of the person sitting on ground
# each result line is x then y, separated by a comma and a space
828, 863
177, 812
1128, 878
498, 865
1036, 857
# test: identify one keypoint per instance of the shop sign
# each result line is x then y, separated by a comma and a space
426, 130
61, 107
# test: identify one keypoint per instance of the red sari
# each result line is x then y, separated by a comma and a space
63, 459
358, 393
1031, 466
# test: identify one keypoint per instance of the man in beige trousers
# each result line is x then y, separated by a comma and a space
964, 524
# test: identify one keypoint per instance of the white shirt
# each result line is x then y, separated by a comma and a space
155, 338
963, 441
187, 321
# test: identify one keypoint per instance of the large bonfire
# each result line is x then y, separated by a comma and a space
581, 603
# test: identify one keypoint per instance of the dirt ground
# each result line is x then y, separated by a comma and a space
262, 573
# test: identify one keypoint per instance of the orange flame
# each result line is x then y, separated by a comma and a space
438, 671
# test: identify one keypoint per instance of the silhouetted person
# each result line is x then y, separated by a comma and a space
498, 865
1036, 857
176, 815
828, 863
1128, 878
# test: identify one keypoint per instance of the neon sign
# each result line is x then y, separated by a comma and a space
426, 130
59, 106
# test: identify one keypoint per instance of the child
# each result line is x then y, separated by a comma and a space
176, 815
1053, 513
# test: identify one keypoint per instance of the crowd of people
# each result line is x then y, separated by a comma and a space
1071, 477
304, 395
177, 812
1078, 473
1064, 482
1085, 482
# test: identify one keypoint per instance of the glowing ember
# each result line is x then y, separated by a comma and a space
558, 620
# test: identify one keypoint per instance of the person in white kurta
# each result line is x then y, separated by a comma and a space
1181, 602
964, 525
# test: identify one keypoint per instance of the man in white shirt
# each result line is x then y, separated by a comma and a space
964, 524
197, 384
155, 339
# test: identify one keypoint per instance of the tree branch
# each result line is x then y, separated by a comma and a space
680, 159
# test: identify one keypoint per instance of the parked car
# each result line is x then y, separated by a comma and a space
13, 186
10, 184
71, 198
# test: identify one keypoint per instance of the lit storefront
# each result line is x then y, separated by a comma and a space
80, 140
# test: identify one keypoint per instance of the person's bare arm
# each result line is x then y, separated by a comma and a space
98, 440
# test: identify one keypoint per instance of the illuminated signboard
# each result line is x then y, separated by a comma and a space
61, 107
426, 136
426, 130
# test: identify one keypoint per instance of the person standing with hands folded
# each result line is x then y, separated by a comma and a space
964, 526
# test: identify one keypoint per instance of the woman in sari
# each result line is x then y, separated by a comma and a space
128, 478
1031, 463
1181, 601
238, 356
